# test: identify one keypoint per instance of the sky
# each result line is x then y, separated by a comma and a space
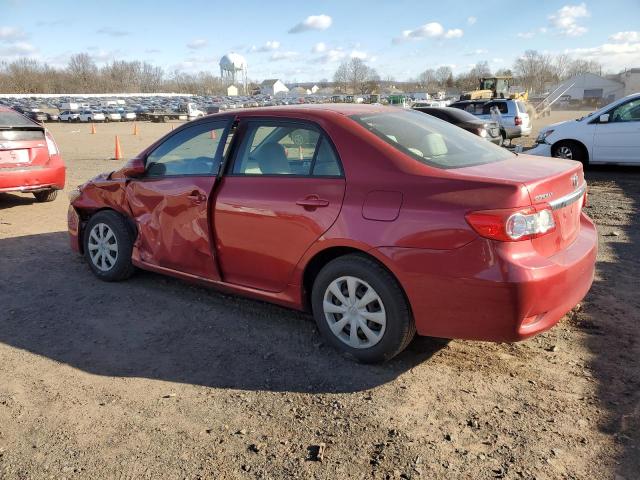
306, 41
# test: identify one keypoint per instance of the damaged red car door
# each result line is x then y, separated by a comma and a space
170, 201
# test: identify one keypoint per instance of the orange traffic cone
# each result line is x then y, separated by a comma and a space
118, 155
93, 129
135, 128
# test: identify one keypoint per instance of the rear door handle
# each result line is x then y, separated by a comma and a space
197, 197
312, 201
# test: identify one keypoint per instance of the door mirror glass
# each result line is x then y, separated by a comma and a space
604, 118
134, 168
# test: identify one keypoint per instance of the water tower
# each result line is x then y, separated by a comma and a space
233, 69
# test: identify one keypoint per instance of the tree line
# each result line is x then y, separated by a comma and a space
533, 71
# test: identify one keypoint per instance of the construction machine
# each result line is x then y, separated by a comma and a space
496, 87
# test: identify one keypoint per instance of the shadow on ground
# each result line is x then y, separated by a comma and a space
160, 328
612, 314
10, 200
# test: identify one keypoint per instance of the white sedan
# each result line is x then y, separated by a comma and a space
609, 135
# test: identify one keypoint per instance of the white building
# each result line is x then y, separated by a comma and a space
232, 91
273, 87
631, 80
588, 86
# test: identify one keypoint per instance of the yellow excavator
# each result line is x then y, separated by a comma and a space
495, 87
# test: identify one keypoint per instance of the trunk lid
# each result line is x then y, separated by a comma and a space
23, 147
555, 182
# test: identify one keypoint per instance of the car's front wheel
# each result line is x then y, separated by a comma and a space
360, 309
570, 150
107, 246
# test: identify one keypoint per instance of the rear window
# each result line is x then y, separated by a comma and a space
20, 135
502, 107
14, 119
431, 141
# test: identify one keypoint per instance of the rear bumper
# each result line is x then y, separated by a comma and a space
517, 131
32, 179
488, 292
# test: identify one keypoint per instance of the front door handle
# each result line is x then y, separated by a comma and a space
312, 201
197, 197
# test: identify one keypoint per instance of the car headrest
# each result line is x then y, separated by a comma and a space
272, 159
433, 145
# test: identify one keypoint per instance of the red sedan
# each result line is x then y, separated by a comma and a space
380, 221
29, 157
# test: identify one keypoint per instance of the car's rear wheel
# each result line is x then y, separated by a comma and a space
570, 150
360, 309
45, 195
107, 246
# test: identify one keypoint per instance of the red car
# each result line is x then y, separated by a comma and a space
380, 221
30, 160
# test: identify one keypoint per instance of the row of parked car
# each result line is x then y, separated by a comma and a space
96, 116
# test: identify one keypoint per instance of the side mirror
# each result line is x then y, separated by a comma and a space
134, 168
604, 118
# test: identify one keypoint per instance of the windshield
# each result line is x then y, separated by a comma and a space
430, 140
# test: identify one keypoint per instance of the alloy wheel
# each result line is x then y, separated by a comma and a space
103, 247
354, 312
564, 152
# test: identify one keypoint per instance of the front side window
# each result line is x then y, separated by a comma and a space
193, 151
627, 112
285, 149
430, 141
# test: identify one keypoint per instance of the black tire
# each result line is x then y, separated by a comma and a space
400, 327
121, 268
45, 195
570, 150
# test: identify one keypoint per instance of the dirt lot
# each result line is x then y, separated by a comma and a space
155, 378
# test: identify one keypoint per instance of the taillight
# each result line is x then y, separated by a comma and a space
517, 121
51, 145
513, 225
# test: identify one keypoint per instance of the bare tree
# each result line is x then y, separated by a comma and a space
356, 76
427, 79
534, 69
442, 75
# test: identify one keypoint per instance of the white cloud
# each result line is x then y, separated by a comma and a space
478, 51
270, 46
17, 49
332, 56
566, 19
113, 32
613, 56
471, 20
530, 34
455, 33
625, 37
319, 48
359, 54
11, 34
428, 30
277, 56
197, 43
313, 22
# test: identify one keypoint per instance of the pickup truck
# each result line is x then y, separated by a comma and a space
186, 111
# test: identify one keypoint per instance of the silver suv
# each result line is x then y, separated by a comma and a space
510, 114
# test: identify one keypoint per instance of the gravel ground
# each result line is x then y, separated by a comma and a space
155, 378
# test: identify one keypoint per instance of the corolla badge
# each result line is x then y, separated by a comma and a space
543, 196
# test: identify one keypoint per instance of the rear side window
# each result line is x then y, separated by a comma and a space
429, 141
521, 107
503, 108
285, 149
14, 119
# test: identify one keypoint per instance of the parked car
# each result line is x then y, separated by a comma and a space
111, 116
511, 114
52, 117
609, 135
128, 115
382, 222
69, 116
30, 160
91, 116
486, 129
